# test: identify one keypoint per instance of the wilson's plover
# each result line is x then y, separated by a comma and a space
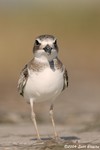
44, 77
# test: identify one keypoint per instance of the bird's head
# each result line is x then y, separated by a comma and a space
45, 46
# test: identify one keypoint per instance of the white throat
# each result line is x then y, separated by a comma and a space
43, 57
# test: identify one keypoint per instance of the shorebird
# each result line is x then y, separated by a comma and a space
44, 77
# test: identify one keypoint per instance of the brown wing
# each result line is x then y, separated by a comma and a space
65, 79
22, 80
60, 66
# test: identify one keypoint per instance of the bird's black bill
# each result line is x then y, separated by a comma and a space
47, 49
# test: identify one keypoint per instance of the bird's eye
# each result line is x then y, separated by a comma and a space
37, 42
55, 42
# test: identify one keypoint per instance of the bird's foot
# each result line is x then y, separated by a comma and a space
57, 139
38, 141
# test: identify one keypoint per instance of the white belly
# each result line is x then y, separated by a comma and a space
44, 85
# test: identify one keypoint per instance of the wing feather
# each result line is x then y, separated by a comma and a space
65, 79
22, 80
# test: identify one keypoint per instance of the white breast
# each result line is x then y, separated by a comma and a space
44, 85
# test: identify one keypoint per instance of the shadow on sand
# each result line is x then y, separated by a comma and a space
65, 138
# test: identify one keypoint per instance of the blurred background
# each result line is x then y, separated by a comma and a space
76, 24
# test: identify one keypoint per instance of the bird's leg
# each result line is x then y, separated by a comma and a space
53, 123
34, 119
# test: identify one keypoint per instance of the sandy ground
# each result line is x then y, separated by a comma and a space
22, 136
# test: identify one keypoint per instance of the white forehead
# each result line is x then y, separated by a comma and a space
46, 41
